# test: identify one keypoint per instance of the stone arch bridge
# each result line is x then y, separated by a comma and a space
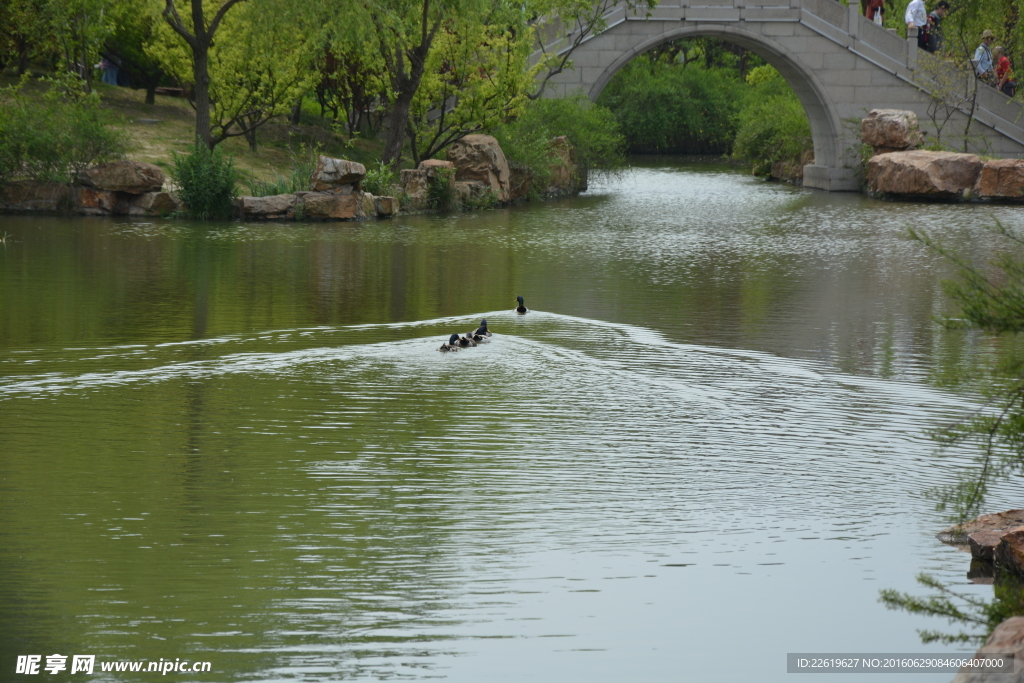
839, 64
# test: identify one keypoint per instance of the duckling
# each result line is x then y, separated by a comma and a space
465, 341
451, 345
521, 308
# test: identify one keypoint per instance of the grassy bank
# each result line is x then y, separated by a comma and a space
169, 125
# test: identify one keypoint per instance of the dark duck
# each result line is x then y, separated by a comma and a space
451, 345
521, 308
481, 334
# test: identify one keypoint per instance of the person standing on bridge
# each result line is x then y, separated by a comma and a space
935, 26
917, 17
983, 63
875, 11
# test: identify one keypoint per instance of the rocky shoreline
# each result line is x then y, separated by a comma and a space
898, 169
476, 166
996, 544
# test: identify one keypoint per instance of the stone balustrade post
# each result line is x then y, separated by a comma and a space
854, 18
912, 48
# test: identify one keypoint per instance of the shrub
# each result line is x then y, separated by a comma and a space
592, 130
52, 137
206, 182
441, 194
669, 108
772, 125
379, 180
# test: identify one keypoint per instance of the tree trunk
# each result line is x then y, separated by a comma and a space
296, 116
397, 119
151, 94
200, 62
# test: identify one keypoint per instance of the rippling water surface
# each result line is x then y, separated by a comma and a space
704, 448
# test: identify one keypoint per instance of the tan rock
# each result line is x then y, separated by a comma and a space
520, 178
925, 174
386, 206
29, 195
958, 533
134, 177
330, 206
983, 543
1007, 638
148, 204
479, 157
331, 174
369, 205
264, 208
1002, 178
1009, 553
93, 202
894, 129
431, 164
414, 187
563, 166
474, 193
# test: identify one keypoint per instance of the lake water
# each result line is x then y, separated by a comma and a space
703, 448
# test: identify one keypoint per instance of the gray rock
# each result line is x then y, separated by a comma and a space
331, 174
267, 208
134, 177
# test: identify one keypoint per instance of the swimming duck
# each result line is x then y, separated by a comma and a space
521, 308
465, 341
451, 345
482, 331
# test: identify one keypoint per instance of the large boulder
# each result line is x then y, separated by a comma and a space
93, 202
1009, 554
148, 204
1006, 639
520, 178
474, 194
983, 543
563, 165
268, 208
29, 195
332, 175
414, 187
933, 175
330, 205
1002, 179
996, 521
431, 166
888, 130
133, 177
479, 158
386, 206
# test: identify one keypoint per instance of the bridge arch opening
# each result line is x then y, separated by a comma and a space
826, 127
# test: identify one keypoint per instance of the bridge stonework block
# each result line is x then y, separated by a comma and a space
840, 66
836, 61
773, 28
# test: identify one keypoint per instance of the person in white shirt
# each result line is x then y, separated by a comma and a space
917, 15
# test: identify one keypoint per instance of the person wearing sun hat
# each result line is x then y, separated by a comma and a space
983, 64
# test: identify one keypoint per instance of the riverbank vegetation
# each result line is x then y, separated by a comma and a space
269, 82
705, 96
990, 299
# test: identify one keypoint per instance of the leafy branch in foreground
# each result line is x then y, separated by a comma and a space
993, 304
959, 608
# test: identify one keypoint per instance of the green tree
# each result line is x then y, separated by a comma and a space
198, 36
477, 77
256, 70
